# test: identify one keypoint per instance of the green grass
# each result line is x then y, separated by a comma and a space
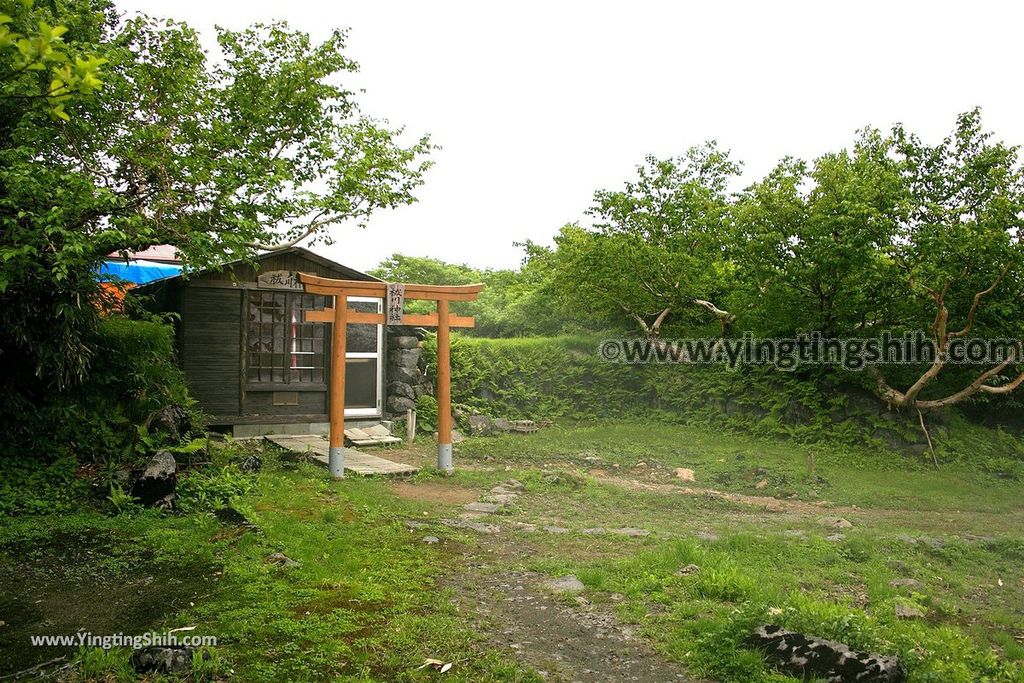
729, 462
967, 558
364, 604
369, 601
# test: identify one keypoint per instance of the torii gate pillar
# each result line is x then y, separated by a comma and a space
340, 316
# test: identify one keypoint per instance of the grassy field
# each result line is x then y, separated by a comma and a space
751, 540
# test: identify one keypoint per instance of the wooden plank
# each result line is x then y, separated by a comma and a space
424, 319
382, 441
355, 461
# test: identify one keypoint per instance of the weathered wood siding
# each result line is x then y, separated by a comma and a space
211, 325
212, 332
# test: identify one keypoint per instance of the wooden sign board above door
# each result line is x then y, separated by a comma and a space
279, 279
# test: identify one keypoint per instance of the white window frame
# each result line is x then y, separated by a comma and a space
379, 355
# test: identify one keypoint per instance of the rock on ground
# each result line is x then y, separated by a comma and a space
172, 420
229, 516
565, 584
836, 522
250, 464
479, 527
155, 484
282, 560
804, 656
500, 498
685, 474
487, 508
171, 659
905, 611
480, 425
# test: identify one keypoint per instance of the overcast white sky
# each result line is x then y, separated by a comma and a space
538, 104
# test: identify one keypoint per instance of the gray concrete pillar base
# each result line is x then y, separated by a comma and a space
336, 461
444, 457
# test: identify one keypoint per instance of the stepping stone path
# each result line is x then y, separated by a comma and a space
486, 508
501, 496
469, 524
498, 499
563, 638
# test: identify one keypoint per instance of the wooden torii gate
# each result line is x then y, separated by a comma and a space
394, 296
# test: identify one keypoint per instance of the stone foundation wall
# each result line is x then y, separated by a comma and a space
406, 380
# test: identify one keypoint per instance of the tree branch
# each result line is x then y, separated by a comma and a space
313, 226
977, 300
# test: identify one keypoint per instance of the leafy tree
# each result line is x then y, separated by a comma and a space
814, 243
657, 248
960, 256
509, 306
425, 270
892, 235
219, 158
39, 68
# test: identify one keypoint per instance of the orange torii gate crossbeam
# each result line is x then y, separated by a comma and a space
340, 316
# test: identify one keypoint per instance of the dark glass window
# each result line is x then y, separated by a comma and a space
282, 348
361, 383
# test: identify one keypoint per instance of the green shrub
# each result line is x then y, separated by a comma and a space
209, 490
564, 377
426, 414
31, 487
131, 375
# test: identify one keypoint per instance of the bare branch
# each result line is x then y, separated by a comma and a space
715, 310
977, 300
656, 327
313, 226
1004, 388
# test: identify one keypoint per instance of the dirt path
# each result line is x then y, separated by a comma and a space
766, 503
562, 641
923, 519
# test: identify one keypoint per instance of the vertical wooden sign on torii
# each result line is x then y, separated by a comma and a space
340, 316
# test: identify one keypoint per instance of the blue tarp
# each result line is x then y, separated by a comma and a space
137, 271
